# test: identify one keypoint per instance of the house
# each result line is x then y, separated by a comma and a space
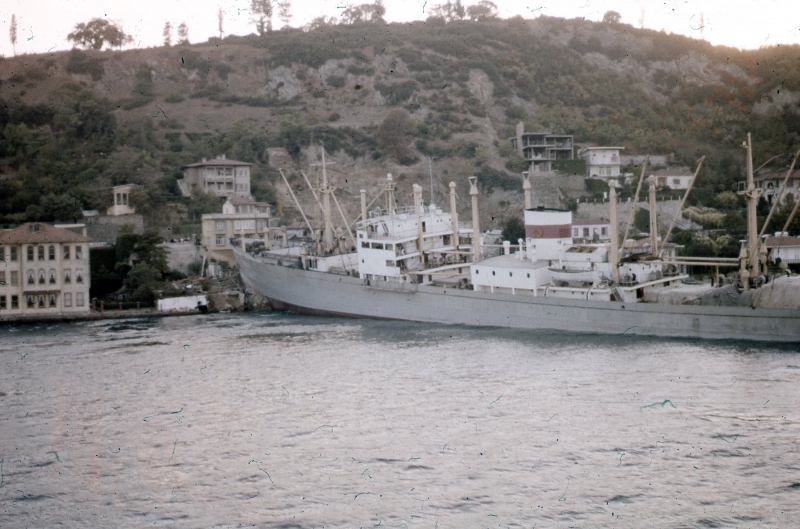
241, 217
541, 149
220, 176
772, 182
47, 271
587, 230
674, 177
783, 247
121, 201
601, 162
234, 205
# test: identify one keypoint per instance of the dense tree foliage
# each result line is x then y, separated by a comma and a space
98, 32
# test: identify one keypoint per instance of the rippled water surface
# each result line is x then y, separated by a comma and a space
278, 420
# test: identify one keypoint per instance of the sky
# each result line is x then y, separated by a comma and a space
43, 25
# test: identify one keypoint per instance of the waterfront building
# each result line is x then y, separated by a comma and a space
46, 272
241, 217
220, 176
674, 177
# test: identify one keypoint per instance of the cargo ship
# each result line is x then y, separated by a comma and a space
423, 264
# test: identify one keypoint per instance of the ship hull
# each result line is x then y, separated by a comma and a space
311, 292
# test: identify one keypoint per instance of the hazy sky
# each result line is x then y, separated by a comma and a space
43, 25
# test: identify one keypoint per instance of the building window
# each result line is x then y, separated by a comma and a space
477, 271
14, 278
66, 251
79, 299
14, 302
31, 300
79, 252
41, 301
2, 303
220, 225
492, 272
676, 182
2, 278
67, 300
585, 232
575, 232
13, 253
603, 231
2, 253
41, 277
529, 276
52, 300
30, 253
220, 241
66, 277
40, 252
52, 277
51, 252
31, 277
510, 274
79, 276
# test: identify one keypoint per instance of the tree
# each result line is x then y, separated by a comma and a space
142, 280
12, 33
97, 32
183, 33
513, 230
220, 19
167, 33
364, 13
285, 12
149, 250
261, 12
483, 10
612, 17
449, 11
391, 133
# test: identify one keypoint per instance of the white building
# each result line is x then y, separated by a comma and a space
541, 149
588, 230
220, 176
121, 201
601, 162
771, 184
46, 272
783, 247
673, 177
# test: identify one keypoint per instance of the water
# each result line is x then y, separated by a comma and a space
275, 420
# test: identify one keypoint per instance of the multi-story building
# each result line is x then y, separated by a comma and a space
46, 272
541, 149
601, 162
771, 184
223, 177
241, 217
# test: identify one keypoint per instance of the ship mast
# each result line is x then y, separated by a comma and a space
751, 194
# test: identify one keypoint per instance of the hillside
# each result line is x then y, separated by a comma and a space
382, 98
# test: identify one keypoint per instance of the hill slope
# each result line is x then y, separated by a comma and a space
382, 98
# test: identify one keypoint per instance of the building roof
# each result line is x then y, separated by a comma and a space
673, 171
219, 160
645, 243
601, 148
24, 234
778, 176
782, 240
588, 222
244, 201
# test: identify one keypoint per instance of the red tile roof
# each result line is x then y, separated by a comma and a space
24, 235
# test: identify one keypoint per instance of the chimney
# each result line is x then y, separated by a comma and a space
222, 156
204, 160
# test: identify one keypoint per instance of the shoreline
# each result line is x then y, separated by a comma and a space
95, 315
